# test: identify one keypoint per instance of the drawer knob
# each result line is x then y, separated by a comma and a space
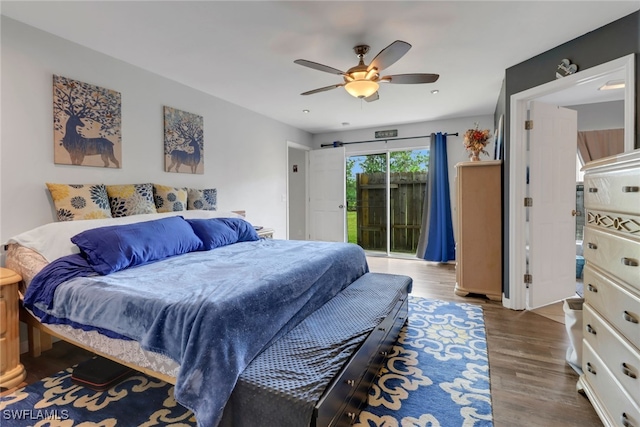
592, 245
351, 415
384, 353
350, 383
629, 317
592, 288
625, 420
591, 368
382, 329
629, 261
630, 189
593, 190
627, 371
591, 330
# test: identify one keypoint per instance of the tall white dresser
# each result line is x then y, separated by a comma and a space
611, 316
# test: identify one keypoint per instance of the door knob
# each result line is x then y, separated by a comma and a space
575, 213
341, 206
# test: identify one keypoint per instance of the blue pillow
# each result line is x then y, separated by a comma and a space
213, 232
114, 248
246, 232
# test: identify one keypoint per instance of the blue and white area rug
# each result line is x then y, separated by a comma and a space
436, 375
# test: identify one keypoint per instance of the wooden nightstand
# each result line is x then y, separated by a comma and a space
267, 233
12, 372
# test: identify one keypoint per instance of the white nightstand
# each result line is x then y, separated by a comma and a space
267, 233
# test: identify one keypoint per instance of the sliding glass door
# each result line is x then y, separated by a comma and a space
367, 201
385, 200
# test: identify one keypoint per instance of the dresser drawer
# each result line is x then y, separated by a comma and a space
622, 359
617, 191
613, 253
615, 303
612, 402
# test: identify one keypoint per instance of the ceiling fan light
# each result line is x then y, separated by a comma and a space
359, 75
361, 88
371, 74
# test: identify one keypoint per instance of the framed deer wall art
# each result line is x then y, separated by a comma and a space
183, 142
86, 124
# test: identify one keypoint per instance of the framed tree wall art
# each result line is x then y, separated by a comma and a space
183, 142
86, 124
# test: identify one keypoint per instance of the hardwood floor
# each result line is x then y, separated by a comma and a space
531, 384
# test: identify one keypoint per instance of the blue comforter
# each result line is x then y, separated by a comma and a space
212, 312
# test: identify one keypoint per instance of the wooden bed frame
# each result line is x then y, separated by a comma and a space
344, 397
39, 337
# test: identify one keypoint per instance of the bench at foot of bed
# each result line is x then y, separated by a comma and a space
319, 374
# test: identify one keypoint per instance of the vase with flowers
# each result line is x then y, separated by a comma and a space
475, 140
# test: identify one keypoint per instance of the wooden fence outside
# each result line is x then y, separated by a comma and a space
407, 199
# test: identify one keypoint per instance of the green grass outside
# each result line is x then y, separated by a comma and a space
352, 226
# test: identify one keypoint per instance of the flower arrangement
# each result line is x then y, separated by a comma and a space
475, 140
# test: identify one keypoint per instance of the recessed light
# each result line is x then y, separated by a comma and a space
305, 111
612, 84
435, 91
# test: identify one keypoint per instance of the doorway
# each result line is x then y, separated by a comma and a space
297, 188
518, 159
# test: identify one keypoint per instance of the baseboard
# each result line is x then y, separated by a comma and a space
24, 347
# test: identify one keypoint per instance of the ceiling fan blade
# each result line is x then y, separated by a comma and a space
373, 97
410, 78
318, 67
322, 89
389, 55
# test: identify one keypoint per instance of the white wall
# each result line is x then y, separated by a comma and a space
245, 153
455, 149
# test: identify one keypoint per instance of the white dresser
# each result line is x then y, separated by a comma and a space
611, 317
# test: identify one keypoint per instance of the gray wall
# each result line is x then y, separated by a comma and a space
600, 115
612, 41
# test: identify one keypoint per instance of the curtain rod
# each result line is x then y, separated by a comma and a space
340, 143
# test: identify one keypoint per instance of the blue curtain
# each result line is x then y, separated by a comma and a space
440, 245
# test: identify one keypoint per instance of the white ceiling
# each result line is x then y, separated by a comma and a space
243, 52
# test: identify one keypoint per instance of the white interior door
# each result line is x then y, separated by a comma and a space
552, 186
327, 196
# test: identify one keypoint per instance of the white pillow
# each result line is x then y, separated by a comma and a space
53, 240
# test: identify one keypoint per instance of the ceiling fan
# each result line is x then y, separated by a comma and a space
362, 81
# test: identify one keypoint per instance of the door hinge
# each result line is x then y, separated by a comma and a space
528, 124
528, 202
528, 279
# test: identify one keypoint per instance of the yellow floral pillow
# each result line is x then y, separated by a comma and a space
169, 199
131, 199
82, 201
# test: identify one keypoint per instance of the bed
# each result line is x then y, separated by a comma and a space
198, 300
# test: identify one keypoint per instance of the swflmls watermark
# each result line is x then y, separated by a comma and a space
35, 414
